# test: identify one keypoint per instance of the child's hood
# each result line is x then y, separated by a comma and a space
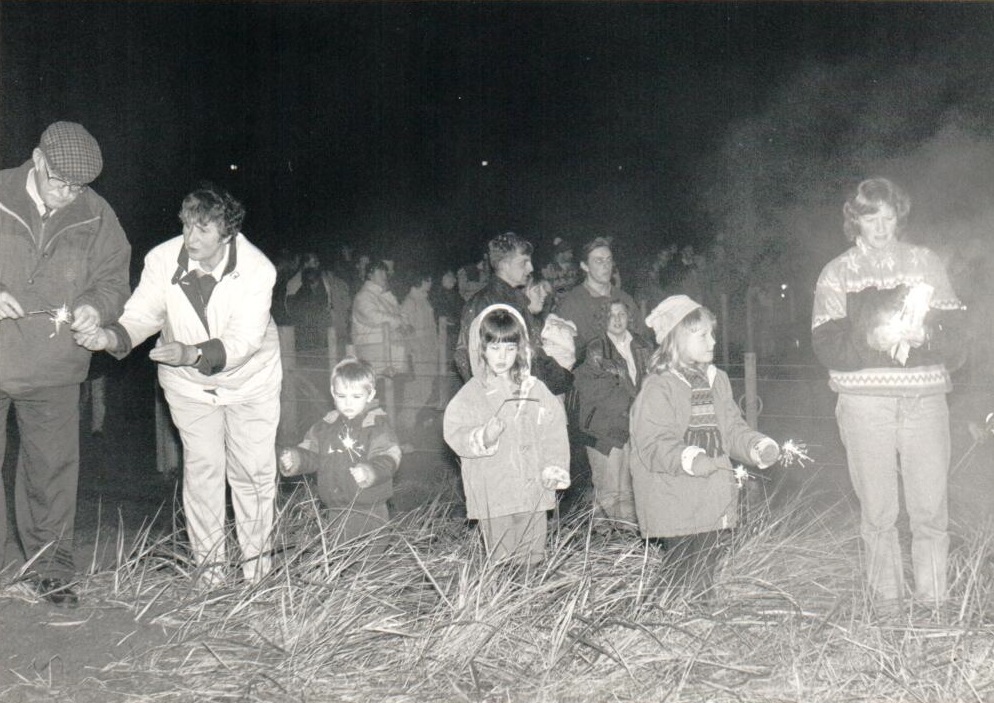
475, 355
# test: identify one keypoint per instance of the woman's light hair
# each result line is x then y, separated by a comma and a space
869, 197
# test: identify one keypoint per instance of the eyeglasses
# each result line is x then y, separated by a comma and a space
62, 183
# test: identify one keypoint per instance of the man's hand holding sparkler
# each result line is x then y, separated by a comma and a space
9, 307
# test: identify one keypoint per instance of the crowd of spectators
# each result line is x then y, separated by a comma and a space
561, 293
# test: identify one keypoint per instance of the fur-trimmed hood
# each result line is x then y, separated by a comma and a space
473, 342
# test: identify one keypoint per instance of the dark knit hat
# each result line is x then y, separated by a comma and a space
72, 152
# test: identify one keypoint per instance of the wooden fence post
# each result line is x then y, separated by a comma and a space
750, 311
443, 362
332, 350
725, 329
751, 392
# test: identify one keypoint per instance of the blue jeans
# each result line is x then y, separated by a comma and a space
876, 431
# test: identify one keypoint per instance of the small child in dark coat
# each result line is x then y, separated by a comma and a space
354, 452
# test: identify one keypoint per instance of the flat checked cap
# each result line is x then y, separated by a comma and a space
72, 152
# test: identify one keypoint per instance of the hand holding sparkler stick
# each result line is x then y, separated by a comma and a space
85, 319
493, 429
363, 475
60, 316
9, 307
289, 461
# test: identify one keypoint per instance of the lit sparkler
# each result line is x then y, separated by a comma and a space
740, 474
352, 447
60, 316
793, 452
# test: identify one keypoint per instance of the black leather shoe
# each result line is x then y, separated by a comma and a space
58, 592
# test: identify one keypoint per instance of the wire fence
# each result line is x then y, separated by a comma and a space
784, 400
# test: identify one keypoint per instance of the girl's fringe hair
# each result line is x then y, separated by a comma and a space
500, 326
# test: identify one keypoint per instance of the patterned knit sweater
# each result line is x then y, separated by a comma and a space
863, 287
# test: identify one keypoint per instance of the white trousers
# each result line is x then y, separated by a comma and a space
233, 444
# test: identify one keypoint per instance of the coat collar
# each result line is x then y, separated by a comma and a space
183, 262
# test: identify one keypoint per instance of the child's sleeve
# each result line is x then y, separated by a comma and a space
657, 430
462, 425
383, 455
740, 441
309, 450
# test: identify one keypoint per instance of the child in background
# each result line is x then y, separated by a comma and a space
685, 429
354, 452
510, 433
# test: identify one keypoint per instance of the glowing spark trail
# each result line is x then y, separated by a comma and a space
793, 452
60, 316
741, 475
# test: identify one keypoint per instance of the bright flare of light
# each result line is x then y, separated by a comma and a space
793, 452
741, 475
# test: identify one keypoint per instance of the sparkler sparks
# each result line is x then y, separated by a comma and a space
59, 316
352, 447
740, 474
793, 452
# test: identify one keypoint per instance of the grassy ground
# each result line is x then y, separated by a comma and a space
605, 618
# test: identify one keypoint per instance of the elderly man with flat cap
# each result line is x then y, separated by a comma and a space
63, 267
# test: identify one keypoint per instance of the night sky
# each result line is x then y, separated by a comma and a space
745, 124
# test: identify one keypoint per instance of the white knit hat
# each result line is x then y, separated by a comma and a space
667, 315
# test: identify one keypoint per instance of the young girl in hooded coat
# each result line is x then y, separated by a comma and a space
510, 434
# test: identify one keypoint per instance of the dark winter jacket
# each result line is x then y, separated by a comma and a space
606, 391
79, 256
335, 444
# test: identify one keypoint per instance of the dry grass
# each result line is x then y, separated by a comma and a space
430, 618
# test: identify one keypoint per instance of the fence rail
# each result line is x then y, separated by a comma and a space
783, 399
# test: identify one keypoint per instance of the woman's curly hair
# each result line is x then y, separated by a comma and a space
211, 204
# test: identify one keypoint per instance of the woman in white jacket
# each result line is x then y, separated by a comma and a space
208, 293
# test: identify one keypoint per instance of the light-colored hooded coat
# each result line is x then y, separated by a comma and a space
506, 478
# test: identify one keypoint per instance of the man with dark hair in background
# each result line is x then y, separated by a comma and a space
510, 258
